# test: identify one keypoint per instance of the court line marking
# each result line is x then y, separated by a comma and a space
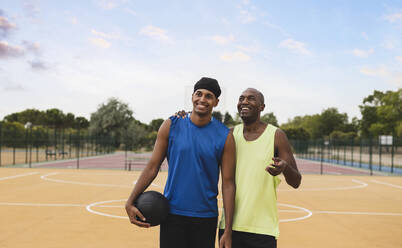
153, 184
54, 205
101, 174
89, 208
343, 212
45, 177
41, 204
361, 185
99, 205
19, 175
357, 213
308, 215
388, 184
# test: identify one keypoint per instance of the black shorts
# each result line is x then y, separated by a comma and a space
251, 240
184, 232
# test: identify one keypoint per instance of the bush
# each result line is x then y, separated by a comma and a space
296, 133
13, 134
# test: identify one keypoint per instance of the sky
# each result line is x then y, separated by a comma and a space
304, 56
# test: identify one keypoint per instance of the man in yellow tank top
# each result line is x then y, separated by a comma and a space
262, 153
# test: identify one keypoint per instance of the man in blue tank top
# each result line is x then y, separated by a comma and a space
196, 149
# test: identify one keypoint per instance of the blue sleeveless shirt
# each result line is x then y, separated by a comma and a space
194, 155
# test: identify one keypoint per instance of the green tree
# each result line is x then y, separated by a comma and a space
69, 121
150, 140
54, 118
80, 122
398, 129
135, 136
309, 123
217, 115
36, 117
381, 113
155, 124
343, 136
228, 120
296, 133
270, 118
111, 119
39, 136
237, 119
321, 125
13, 134
352, 126
331, 120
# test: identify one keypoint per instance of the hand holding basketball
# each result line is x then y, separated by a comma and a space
134, 215
150, 208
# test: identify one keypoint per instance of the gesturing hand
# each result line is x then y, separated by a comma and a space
277, 167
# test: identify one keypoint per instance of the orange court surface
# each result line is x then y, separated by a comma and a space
48, 207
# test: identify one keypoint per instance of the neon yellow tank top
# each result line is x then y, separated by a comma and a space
255, 202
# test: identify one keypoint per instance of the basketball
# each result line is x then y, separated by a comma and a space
154, 206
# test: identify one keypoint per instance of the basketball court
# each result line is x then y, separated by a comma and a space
58, 207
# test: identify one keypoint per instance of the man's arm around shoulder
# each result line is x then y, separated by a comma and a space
149, 173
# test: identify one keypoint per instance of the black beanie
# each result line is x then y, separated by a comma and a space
210, 84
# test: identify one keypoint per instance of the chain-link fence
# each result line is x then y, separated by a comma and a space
41, 145
373, 154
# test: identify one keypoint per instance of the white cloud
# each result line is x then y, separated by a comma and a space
394, 17
103, 35
155, 33
235, 57
362, 53
399, 58
74, 20
31, 46
249, 49
5, 26
38, 65
247, 17
394, 77
222, 40
295, 46
14, 87
100, 42
110, 4
398, 80
130, 11
276, 27
225, 21
7, 50
31, 8
380, 71
390, 44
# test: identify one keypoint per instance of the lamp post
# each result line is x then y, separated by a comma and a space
28, 127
